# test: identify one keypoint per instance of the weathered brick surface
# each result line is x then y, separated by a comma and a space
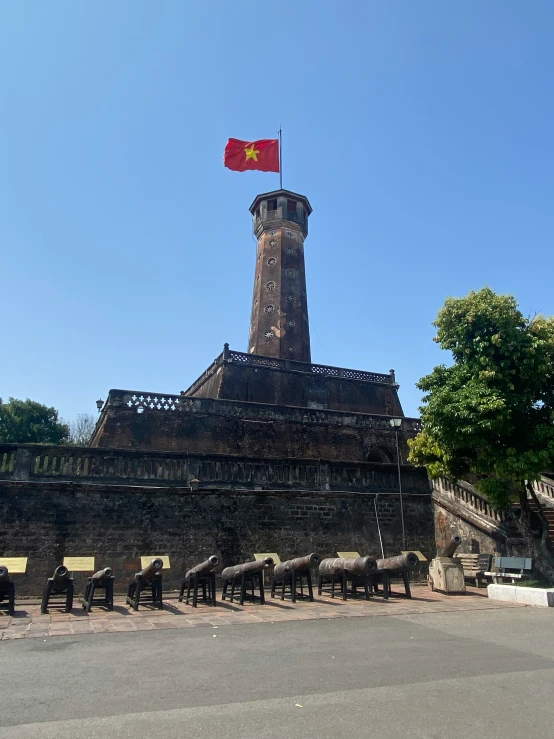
250, 429
475, 539
118, 524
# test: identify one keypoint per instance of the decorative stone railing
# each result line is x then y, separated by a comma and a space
256, 360
125, 467
468, 498
145, 401
544, 487
315, 369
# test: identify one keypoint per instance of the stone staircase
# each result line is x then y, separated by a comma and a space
465, 502
544, 489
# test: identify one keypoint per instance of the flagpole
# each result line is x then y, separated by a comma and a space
280, 159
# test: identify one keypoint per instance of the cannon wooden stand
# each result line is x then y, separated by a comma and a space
329, 584
247, 574
147, 587
194, 583
358, 571
102, 580
7, 591
200, 576
145, 592
59, 589
294, 580
293, 573
248, 581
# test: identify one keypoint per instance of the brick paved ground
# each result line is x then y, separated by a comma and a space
29, 622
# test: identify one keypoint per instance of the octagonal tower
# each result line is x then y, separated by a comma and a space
279, 326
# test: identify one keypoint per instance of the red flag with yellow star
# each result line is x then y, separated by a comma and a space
243, 155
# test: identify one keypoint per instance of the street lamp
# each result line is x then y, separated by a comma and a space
99, 404
396, 423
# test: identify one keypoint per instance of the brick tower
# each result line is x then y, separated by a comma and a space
279, 326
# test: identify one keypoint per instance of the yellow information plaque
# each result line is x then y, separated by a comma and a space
145, 561
79, 564
262, 555
419, 555
15, 565
349, 555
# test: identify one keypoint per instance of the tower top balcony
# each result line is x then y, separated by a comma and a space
272, 209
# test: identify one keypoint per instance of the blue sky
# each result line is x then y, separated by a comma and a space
420, 131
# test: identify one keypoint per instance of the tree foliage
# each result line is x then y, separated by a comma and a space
491, 413
28, 422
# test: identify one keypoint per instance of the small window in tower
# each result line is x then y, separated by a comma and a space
290, 298
290, 273
272, 204
270, 285
291, 350
290, 250
268, 335
257, 213
269, 308
291, 206
272, 243
271, 261
273, 233
290, 233
291, 324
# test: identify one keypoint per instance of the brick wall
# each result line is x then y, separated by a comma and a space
475, 539
115, 523
251, 429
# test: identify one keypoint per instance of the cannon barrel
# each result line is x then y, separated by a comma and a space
300, 564
360, 565
237, 570
204, 568
331, 566
450, 547
60, 578
150, 572
354, 565
4, 574
401, 563
101, 574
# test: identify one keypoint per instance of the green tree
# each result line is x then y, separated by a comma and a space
27, 422
490, 415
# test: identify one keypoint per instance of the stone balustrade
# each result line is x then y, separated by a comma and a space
129, 467
466, 496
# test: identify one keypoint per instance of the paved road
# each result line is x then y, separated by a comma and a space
427, 676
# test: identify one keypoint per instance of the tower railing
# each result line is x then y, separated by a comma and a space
315, 369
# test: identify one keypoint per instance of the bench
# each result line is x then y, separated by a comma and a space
511, 568
475, 567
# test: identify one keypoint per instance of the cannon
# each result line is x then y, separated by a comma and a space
399, 566
449, 549
248, 573
101, 580
59, 587
203, 576
445, 573
402, 563
293, 572
147, 586
356, 570
7, 590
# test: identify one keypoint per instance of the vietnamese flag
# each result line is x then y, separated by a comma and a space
243, 155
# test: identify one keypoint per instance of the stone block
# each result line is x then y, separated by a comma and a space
543, 597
